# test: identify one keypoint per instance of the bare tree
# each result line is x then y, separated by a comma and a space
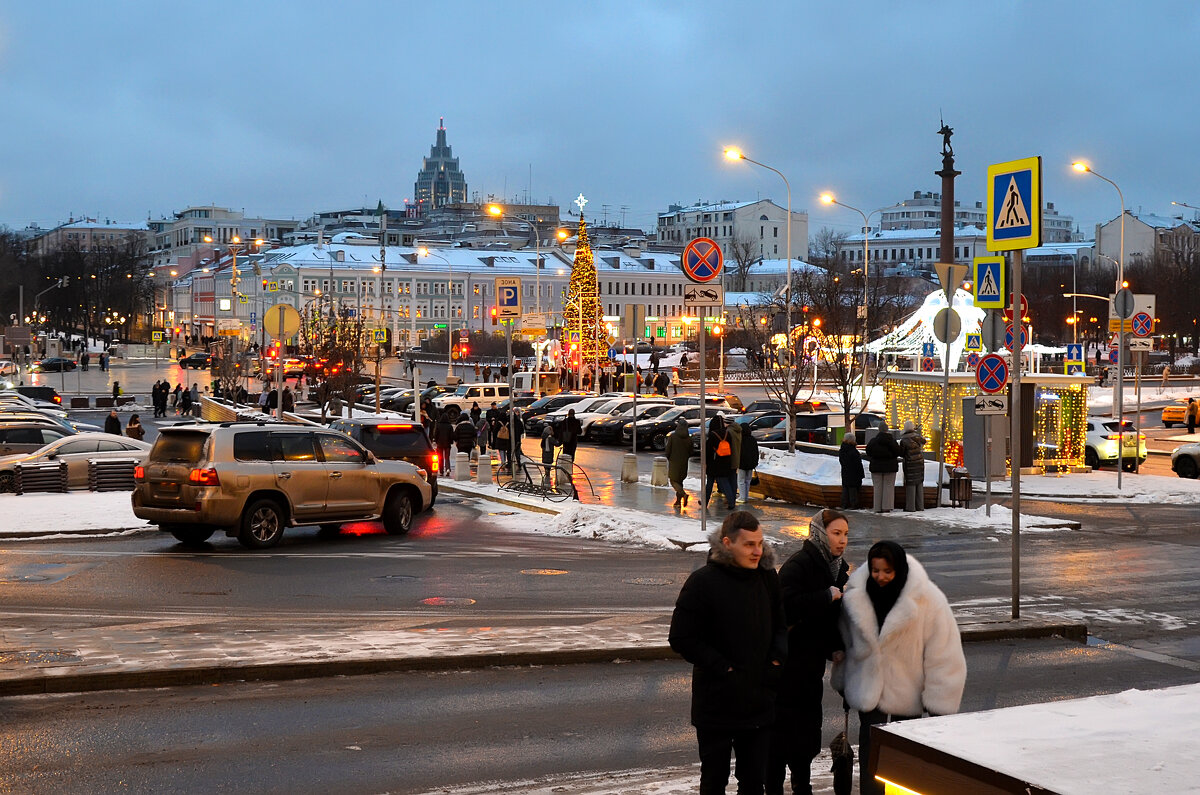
824, 249
743, 254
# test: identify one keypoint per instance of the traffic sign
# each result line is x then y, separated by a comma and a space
974, 342
281, 321
1113, 355
573, 337
1139, 344
992, 329
273, 287
988, 282
379, 335
1074, 352
612, 340
1143, 325
1123, 303
928, 349
973, 360
991, 404
992, 373
704, 295
1074, 368
1009, 334
702, 260
463, 335
1014, 201
927, 364
1008, 312
1142, 302
951, 275
156, 336
946, 325
243, 298
508, 297
253, 316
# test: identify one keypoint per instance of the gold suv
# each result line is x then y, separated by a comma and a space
254, 479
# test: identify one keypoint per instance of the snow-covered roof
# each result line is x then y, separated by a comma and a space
92, 223
718, 207
1060, 248
780, 266
884, 235
1162, 221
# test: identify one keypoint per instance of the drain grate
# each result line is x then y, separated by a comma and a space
38, 657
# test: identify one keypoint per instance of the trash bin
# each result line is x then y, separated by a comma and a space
960, 488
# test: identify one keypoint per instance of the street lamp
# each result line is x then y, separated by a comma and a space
732, 153
496, 211
425, 252
829, 198
1119, 393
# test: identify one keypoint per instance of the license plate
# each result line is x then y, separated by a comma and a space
168, 488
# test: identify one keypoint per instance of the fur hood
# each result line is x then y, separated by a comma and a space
717, 553
915, 664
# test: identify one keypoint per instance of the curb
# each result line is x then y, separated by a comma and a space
464, 492
973, 632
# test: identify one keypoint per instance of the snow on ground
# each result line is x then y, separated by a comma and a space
1134, 741
999, 522
1100, 398
1063, 607
820, 470
73, 512
1103, 485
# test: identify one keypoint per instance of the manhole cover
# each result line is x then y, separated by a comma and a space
448, 601
544, 572
38, 657
23, 578
395, 577
647, 581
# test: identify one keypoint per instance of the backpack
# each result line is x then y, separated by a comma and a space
723, 448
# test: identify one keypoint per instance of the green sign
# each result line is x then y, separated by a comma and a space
439, 325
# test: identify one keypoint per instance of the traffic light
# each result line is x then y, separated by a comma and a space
495, 313
717, 329
264, 285
462, 350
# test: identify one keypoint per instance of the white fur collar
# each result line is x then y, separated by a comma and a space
857, 603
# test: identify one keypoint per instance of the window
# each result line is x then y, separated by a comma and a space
339, 451
293, 447
252, 446
776, 231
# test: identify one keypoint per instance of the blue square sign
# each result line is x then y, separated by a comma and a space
1014, 203
1074, 352
928, 349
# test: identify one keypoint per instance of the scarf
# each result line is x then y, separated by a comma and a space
883, 597
820, 539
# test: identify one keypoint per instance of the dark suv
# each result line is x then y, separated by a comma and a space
395, 440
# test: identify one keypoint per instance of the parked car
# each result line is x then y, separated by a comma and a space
402, 401
12, 415
395, 441
254, 479
8, 367
864, 421
758, 419
53, 364
653, 432
725, 401
544, 406
1104, 440
808, 430
609, 430
466, 394
1175, 413
1185, 460
75, 451
10, 398
19, 438
47, 393
590, 411
198, 361
763, 404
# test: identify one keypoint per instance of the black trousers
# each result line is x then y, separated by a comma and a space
850, 497
867, 785
750, 748
796, 735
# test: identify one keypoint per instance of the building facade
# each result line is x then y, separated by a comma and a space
762, 225
85, 234
1146, 236
924, 211
440, 180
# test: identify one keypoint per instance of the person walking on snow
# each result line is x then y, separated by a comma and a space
912, 448
903, 652
883, 454
852, 471
679, 455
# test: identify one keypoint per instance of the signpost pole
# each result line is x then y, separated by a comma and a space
1137, 418
1014, 403
945, 399
987, 466
514, 449
703, 438
1119, 397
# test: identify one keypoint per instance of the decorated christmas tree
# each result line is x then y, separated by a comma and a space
582, 312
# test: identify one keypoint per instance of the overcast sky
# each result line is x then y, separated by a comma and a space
125, 109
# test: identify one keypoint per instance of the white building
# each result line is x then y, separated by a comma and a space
761, 223
1146, 235
924, 211
912, 252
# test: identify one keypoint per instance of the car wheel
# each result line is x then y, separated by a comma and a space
191, 536
262, 525
659, 441
8, 482
1185, 467
398, 513
1091, 459
1168, 424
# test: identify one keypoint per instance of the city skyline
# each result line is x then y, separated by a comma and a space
128, 116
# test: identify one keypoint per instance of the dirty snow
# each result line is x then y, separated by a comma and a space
73, 512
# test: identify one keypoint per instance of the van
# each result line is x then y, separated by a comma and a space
467, 394
547, 383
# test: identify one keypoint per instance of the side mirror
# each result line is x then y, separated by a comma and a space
52, 457
371, 459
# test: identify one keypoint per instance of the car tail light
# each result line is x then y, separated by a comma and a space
204, 477
139, 473
433, 462
396, 427
58, 399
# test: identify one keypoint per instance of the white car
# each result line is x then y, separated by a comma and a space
8, 367
586, 406
24, 403
76, 451
613, 408
1185, 460
1103, 443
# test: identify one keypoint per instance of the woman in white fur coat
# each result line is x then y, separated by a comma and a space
904, 655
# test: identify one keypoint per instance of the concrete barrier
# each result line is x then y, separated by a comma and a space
81, 402
483, 471
658, 473
629, 473
462, 466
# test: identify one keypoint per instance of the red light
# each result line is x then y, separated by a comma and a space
204, 477
58, 399
395, 427
139, 473
433, 462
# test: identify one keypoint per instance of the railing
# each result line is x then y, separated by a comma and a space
552, 482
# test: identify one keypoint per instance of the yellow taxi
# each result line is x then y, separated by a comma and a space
1175, 413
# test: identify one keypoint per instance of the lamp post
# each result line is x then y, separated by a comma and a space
497, 212
829, 198
736, 154
1119, 391
425, 252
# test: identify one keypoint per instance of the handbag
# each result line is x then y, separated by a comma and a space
502, 433
754, 478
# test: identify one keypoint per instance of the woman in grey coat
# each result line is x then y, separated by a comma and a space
679, 453
884, 456
912, 445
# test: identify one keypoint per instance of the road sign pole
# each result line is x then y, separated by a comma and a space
1018, 257
1119, 399
1137, 418
945, 395
703, 440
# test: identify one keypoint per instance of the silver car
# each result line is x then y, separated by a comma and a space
76, 451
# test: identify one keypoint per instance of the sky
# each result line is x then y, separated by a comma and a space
129, 110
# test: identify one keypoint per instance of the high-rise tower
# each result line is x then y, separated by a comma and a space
440, 182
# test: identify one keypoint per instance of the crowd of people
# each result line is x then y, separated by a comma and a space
472, 432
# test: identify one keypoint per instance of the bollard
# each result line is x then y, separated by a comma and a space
462, 466
658, 473
483, 470
629, 473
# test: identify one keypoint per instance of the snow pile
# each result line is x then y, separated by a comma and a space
1135, 741
73, 512
625, 526
1103, 485
999, 522
821, 470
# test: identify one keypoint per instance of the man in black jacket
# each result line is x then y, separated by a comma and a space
728, 623
811, 581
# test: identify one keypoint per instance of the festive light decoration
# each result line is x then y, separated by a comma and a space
582, 311
1060, 425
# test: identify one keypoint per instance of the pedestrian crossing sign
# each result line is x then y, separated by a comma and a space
988, 282
974, 342
1014, 203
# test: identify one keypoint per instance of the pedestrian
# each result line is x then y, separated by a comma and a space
912, 447
475, 412
116, 389
465, 434
811, 582
289, 400
482, 431
518, 427
679, 456
747, 462
903, 652
719, 459
1166, 378
604, 380
112, 423
661, 382
135, 430
852, 471
548, 444
503, 372
185, 402
728, 623
487, 373
883, 454
500, 439
1193, 414
675, 380
175, 395
84, 360
476, 371
569, 434
443, 437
